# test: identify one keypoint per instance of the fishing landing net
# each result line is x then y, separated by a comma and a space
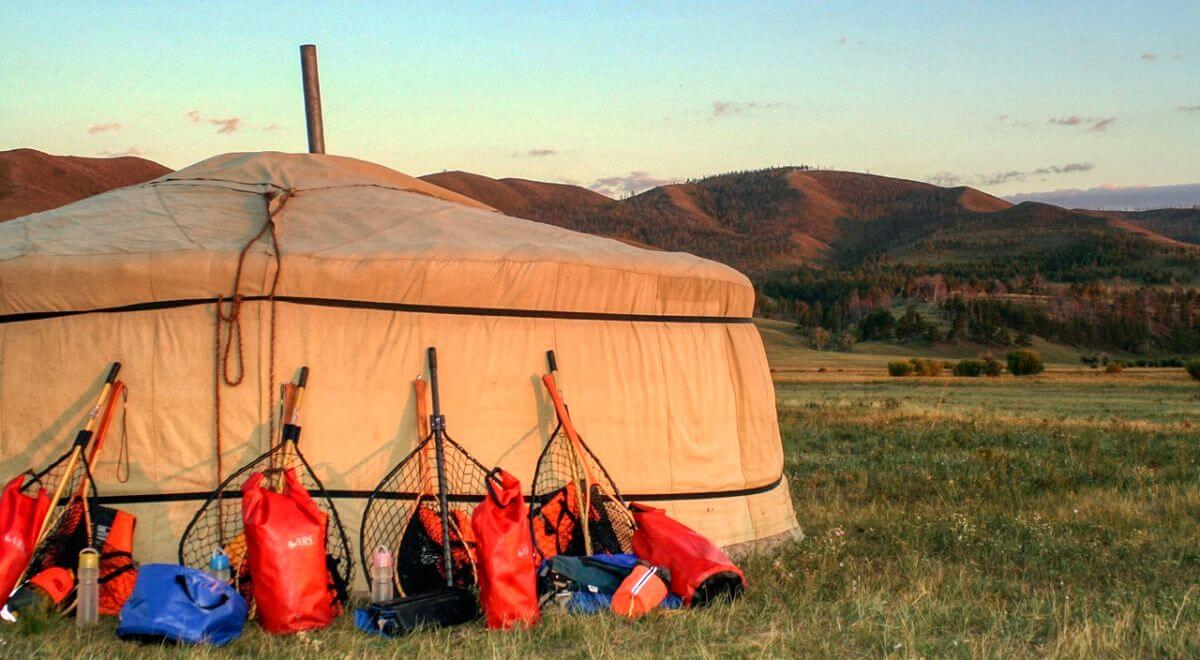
402, 513
218, 525
568, 481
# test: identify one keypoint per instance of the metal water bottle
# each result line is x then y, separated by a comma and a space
218, 566
87, 604
381, 575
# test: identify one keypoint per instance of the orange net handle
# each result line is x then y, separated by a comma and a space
564, 418
102, 424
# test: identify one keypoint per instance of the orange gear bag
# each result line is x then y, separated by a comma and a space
285, 548
21, 517
507, 571
700, 572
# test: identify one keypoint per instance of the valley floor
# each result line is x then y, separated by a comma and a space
1054, 515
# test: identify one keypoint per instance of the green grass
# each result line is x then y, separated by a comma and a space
1054, 516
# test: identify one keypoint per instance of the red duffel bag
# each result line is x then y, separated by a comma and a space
285, 548
21, 517
507, 571
700, 572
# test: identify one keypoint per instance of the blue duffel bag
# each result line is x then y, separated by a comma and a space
181, 604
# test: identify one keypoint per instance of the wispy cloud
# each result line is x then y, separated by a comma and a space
733, 108
944, 179
949, 179
1110, 196
1149, 57
1097, 124
131, 151
104, 128
226, 126
269, 128
541, 153
631, 184
1189, 108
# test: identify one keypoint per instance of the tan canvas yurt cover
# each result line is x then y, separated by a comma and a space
665, 374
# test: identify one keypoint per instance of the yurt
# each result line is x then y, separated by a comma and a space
243, 267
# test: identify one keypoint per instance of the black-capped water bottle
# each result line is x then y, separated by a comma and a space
381, 575
218, 566
87, 604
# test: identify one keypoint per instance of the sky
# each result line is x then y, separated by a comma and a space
1010, 97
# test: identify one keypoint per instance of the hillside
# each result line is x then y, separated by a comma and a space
778, 219
32, 181
762, 222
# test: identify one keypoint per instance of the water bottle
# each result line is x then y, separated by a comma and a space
87, 604
218, 566
381, 575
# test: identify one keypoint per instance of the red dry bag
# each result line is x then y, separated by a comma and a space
507, 572
285, 548
700, 572
20, 519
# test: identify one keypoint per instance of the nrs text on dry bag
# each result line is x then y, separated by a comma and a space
285, 547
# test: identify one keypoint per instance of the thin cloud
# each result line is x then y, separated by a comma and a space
631, 184
1097, 124
226, 126
269, 128
733, 108
104, 128
230, 125
841, 41
950, 179
541, 153
944, 179
1009, 120
1110, 196
1189, 108
131, 151
1149, 57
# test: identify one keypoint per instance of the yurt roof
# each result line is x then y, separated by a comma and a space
348, 231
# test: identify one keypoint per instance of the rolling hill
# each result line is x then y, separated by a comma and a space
32, 181
776, 219
760, 221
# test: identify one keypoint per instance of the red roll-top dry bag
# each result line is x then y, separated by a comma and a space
700, 572
285, 548
21, 517
507, 571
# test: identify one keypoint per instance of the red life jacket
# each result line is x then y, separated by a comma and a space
21, 517
285, 547
507, 572
118, 573
700, 572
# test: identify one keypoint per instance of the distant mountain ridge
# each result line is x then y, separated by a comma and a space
32, 181
759, 221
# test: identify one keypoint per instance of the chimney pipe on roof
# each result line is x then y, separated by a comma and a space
312, 99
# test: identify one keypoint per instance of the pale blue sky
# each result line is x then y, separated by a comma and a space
954, 91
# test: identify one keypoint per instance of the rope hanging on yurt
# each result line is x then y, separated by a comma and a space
232, 320
404, 514
218, 526
570, 485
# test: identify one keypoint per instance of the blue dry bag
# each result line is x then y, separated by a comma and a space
181, 604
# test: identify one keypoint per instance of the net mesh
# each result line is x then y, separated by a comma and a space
72, 524
402, 515
55, 473
559, 495
217, 525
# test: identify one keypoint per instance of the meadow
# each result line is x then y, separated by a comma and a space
1055, 515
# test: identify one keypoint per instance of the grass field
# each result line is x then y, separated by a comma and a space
1057, 515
